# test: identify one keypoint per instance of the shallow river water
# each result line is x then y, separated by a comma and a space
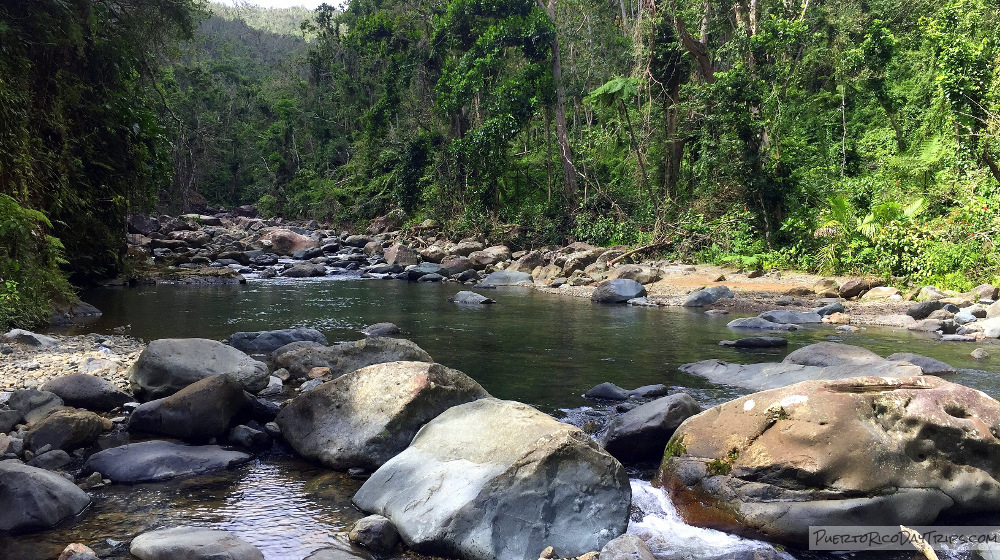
542, 349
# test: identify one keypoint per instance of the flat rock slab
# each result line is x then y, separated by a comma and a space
152, 461
756, 323
791, 317
506, 278
192, 543
758, 377
753, 342
32, 498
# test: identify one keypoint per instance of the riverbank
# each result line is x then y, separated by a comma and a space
26, 365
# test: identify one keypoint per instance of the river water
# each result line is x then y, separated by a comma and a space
538, 348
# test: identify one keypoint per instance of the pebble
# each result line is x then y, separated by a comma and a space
29, 367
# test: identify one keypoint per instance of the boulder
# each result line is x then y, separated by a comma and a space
619, 290
366, 417
291, 346
930, 293
923, 309
263, 342
357, 241
626, 547
791, 317
760, 324
466, 247
757, 377
286, 242
640, 273
606, 392
529, 262
456, 265
65, 429
32, 404
305, 270
929, 366
985, 291
192, 238
751, 342
32, 498
499, 480
581, 260
707, 296
856, 287
87, 391
506, 278
348, 356
170, 364
142, 225
51, 460
199, 412
374, 533
641, 433
830, 309
415, 272
402, 255
880, 292
156, 460
466, 297
824, 354
339, 551
29, 338
434, 254
192, 543
859, 451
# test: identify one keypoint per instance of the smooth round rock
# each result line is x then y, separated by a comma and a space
192, 543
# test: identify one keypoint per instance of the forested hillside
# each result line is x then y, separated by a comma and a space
837, 136
840, 136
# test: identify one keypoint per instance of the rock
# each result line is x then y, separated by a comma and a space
830, 309
824, 354
985, 291
249, 438
933, 325
33, 498
618, 290
957, 338
626, 547
374, 533
305, 271
791, 317
639, 273
66, 429
339, 551
580, 260
87, 391
290, 347
861, 451
29, 338
51, 460
415, 272
348, 356
286, 242
607, 392
274, 387
77, 551
199, 412
192, 543
381, 329
366, 417
263, 342
756, 342
762, 324
466, 247
826, 287
142, 225
761, 376
898, 321
923, 309
8, 419
456, 265
929, 366
466, 297
993, 310
929, 293
707, 296
170, 364
499, 480
506, 278
980, 354
880, 292
432, 277
32, 404
402, 255
191, 238
641, 433
856, 287
649, 391
529, 262
964, 317
434, 254
153, 461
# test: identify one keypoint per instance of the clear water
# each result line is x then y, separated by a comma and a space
542, 349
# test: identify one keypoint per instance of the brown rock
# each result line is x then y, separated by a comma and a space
857, 286
401, 255
286, 242
318, 372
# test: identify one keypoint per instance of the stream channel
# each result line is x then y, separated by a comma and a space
542, 349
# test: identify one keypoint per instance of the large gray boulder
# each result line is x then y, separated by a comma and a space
707, 296
824, 354
860, 451
757, 323
264, 342
499, 480
29, 338
761, 376
791, 317
641, 433
87, 391
151, 461
348, 356
199, 412
33, 498
192, 543
619, 290
466, 297
170, 364
366, 417
506, 278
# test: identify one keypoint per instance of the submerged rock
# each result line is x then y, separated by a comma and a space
858, 451
192, 543
466, 297
381, 329
760, 324
348, 356
263, 342
756, 342
366, 417
762, 376
152, 461
499, 480
32, 498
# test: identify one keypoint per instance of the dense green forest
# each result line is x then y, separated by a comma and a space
854, 136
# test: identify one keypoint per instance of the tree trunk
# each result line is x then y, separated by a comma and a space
562, 134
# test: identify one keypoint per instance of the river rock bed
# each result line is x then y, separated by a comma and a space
109, 357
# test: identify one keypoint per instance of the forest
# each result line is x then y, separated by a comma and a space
856, 137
